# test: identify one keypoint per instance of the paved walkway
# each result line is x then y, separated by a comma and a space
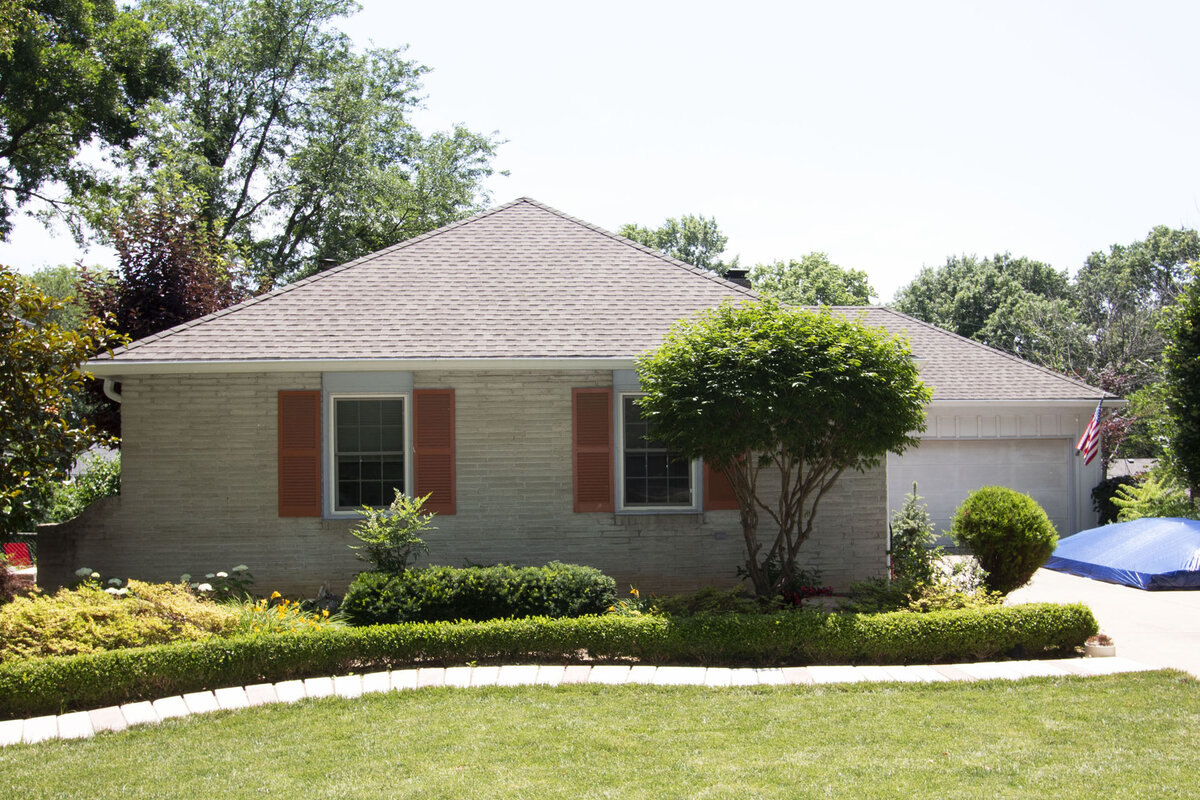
1158, 628
84, 724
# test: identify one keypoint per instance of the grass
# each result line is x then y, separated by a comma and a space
1133, 735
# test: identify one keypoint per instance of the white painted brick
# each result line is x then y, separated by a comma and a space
141, 713
232, 697
290, 691
376, 682
168, 707
76, 725
261, 694
10, 731
404, 679
40, 729
514, 494
201, 702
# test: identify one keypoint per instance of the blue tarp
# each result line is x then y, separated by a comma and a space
1149, 553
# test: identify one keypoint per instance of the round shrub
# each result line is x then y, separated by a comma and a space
1008, 532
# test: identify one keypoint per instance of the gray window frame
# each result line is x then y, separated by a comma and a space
695, 471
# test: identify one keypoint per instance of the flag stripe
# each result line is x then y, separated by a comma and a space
1089, 443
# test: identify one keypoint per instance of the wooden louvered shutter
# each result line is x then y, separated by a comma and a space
718, 491
299, 454
592, 449
433, 448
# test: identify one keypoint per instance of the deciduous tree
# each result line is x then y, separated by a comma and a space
814, 280
41, 366
301, 144
173, 267
759, 389
1181, 362
694, 240
71, 72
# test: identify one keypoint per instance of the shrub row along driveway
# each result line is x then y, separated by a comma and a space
1159, 628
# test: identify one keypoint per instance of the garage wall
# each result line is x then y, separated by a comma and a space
1029, 448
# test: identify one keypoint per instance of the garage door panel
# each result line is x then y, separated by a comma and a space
947, 471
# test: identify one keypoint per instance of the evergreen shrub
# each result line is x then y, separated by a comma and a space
1008, 532
35, 686
477, 593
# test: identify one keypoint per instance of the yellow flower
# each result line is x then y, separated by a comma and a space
633, 591
325, 612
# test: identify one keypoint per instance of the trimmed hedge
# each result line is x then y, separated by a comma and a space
54, 685
477, 593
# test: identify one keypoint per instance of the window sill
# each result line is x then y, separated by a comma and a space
659, 512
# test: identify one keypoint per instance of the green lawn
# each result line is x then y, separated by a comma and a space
1125, 736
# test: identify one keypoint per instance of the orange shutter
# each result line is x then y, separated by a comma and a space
718, 491
592, 449
299, 454
433, 448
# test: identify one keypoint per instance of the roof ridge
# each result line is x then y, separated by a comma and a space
1104, 395
255, 300
675, 262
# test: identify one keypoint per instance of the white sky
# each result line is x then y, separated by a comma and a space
890, 135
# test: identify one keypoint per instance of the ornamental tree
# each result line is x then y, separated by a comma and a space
40, 371
1181, 365
756, 389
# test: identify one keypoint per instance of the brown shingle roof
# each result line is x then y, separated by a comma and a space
524, 281
519, 281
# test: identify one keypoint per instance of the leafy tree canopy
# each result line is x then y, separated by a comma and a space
1121, 294
62, 284
963, 294
694, 240
40, 368
814, 280
172, 268
758, 388
300, 144
1181, 360
71, 72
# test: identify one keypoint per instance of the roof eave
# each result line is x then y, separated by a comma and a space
116, 368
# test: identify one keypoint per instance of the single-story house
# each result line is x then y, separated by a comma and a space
490, 364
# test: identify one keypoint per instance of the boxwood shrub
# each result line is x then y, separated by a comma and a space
1008, 532
57, 684
477, 593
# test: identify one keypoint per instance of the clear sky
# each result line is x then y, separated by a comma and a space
889, 135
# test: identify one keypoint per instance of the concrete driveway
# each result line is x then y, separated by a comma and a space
1159, 628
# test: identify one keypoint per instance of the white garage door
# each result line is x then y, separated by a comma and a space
945, 471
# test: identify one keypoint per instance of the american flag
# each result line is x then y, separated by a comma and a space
1089, 444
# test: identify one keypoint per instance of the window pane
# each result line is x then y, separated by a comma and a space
370, 450
372, 495
391, 412
347, 439
654, 476
635, 465
392, 440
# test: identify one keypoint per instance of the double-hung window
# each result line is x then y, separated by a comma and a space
651, 476
369, 454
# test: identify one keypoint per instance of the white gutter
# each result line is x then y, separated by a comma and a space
1090, 402
110, 391
111, 368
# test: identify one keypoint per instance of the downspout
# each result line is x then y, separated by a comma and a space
110, 391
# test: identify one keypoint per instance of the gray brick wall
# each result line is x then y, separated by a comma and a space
198, 495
